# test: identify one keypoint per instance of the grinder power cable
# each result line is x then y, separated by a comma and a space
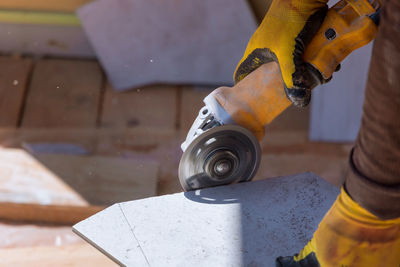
222, 146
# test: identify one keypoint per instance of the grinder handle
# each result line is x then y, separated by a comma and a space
346, 27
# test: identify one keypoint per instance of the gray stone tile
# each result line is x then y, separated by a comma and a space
149, 41
247, 224
123, 248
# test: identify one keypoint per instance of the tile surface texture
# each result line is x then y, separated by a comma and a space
149, 41
247, 224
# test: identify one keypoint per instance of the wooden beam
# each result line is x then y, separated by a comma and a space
45, 5
54, 214
26, 180
104, 180
151, 106
96, 141
63, 94
69, 255
14, 78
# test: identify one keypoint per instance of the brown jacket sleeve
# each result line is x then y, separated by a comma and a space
374, 176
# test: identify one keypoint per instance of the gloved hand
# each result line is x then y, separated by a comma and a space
349, 235
282, 37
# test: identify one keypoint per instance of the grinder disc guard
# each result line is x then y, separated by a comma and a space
222, 155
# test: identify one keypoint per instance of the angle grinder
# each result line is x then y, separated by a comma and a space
217, 151
222, 146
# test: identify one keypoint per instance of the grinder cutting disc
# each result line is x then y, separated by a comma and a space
222, 155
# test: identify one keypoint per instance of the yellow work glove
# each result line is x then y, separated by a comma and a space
350, 236
282, 37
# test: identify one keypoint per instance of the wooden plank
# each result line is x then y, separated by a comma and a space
105, 180
45, 40
26, 180
49, 5
151, 106
56, 179
63, 93
16, 235
96, 141
53, 214
328, 161
48, 256
14, 78
15, 138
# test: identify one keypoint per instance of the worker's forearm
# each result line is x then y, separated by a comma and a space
374, 179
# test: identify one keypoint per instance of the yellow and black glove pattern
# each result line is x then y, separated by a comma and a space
282, 37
